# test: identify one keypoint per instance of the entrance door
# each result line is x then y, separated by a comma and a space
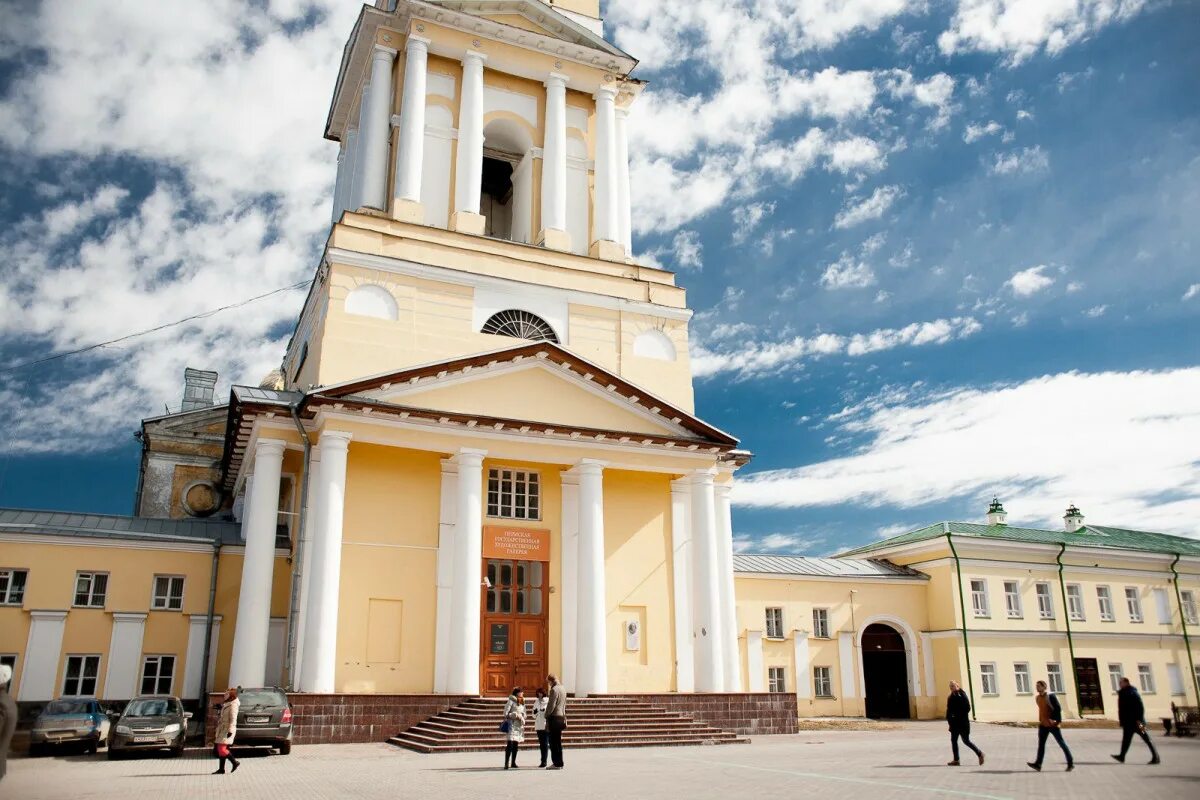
1087, 686
885, 672
514, 628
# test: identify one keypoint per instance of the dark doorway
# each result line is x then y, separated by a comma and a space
885, 672
1087, 683
495, 198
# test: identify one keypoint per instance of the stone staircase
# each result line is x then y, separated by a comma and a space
608, 721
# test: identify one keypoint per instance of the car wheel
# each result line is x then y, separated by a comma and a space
92, 748
113, 755
285, 748
176, 752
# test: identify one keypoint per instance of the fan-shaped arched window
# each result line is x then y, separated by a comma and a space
520, 325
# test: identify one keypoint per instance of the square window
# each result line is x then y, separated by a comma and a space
775, 623
514, 494
80, 676
776, 680
821, 623
90, 589
168, 593
822, 682
12, 586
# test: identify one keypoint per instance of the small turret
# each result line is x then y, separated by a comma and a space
996, 514
1073, 519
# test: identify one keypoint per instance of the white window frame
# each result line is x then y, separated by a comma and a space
821, 623
1146, 682
1114, 677
1104, 597
158, 675
1054, 677
162, 602
1187, 601
503, 505
1012, 600
83, 660
823, 682
91, 592
1075, 609
1045, 598
777, 680
979, 598
7, 593
1133, 604
1023, 677
774, 620
987, 675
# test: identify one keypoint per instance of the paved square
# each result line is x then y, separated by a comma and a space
909, 762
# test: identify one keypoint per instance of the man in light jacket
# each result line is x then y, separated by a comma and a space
556, 720
8, 717
1132, 714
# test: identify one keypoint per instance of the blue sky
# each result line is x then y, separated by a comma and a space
937, 249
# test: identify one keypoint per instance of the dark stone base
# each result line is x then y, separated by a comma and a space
746, 714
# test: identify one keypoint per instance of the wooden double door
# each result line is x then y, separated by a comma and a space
1087, 685
514, 627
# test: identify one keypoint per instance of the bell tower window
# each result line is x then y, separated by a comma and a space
496, 195
506, 185
520, 325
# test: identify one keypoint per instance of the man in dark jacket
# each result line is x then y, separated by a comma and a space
556, 720
958, 717
1132, 715
1049, 720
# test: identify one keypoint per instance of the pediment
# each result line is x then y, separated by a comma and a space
202, 422
535, 16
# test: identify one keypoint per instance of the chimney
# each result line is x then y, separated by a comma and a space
996, 514
198, 388
1073, 519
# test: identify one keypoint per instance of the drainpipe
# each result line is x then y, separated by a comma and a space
298, 551
962, 605
1062, 586
1187, 643
208, 628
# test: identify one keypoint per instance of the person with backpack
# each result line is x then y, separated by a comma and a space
1049, 722
958, 717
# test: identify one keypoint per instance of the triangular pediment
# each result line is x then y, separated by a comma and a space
534, 16
200, 423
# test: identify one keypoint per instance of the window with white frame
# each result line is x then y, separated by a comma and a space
979, 598
168, 593
1133, 602
1115, 673
774, 623
1012, 599
987, 679
514, 494
80, 676
821, 623
1187, 599
822, 682
776, 679
1104, 596
1175, 679
12, 586
90, 589
1075, 601
1146, 678
158, 673
1045, 601
1054, 678
1024, 682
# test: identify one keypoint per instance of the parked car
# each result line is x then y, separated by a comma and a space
69, 721
265, 719
150, 722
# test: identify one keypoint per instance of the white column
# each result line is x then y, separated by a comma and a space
706, 587
754, 660
607, 228
729, 626
554, 160
339, 184
43, 650
469, 167
349, 196
248, 663
194, 661
463, 676
319, 666
445, 576
412, 121
124, 656
376, 128
591, 668
803, 671
846, 657
569, 580
309, 535
624, 210
357, 197
681, 579
927, 657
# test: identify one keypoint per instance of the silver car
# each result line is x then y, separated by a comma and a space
150, 722
69, 721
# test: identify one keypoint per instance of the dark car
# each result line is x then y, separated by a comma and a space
265, 719
151, 722
70, 721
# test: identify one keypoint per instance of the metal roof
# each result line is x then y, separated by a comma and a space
822, 567
255, 394
108, 526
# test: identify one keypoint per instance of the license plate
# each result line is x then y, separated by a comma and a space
258, 719
143, 739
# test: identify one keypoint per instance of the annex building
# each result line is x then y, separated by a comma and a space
480, 460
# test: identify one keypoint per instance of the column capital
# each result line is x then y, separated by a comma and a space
555, 79
269, 447
703, 476
469, 456
474, 55
420, 42
606, 92
335, 440
381, 52
621, 112
588, 466
722, 489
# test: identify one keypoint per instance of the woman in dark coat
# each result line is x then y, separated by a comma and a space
958, 717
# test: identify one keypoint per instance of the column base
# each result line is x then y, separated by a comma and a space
467, 222
606, 250
554, 239
408, 211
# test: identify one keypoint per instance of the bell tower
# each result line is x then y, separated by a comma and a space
483, 191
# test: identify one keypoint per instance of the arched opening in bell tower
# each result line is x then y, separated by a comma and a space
506, 191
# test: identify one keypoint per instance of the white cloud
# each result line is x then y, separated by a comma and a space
848, 273
775, 543
1095, 311
1192, 291
1030, 281
1032, 443
869, 208
935, 92
688, 250
1028, 160
747, 218
1074, 286
855, 153
1019, 29
974, 132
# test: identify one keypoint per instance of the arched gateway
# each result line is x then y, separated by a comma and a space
885, 672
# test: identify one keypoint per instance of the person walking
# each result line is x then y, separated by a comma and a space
958, 717
227, 730
8, 717
556, 720
1049, 720
514, 716
1132, 715
539, 726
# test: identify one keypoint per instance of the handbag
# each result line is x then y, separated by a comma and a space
222, 750
505, 726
